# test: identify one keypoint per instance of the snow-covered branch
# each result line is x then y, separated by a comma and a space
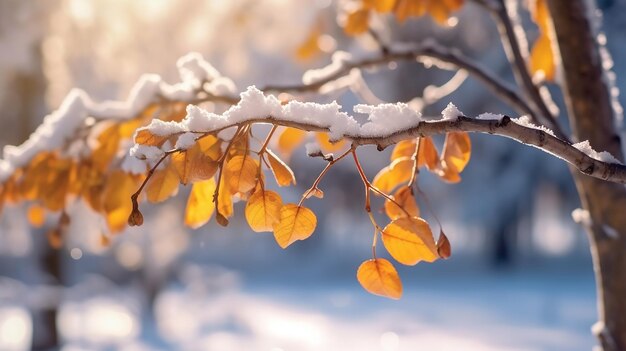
387, 125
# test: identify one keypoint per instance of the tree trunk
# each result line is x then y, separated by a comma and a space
592, 118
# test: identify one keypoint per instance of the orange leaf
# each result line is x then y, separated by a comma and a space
107, 146
310, 48
427, 152
242, 174
409, 240
200, 205
116, 202
326, 145
145, 137
457, 150
263, 210
399, 171
296, 223
283, 174
379, 277
379, 5
541, 56
193, 165
163, 184
36, 215
405, 199
443, 246
357, 22
224, 202
289, 140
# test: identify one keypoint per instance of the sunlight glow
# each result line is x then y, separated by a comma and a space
15, 329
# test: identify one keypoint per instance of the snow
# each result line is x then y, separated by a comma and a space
144, 152
186, 141
603, 156
525, 121
582, 216
253, 104
451, 113
133, 165
490, 116
338, 61
78, 108
312, 148
385, 118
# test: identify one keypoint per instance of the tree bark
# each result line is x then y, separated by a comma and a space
592, 118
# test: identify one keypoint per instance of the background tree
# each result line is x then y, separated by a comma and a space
79, 151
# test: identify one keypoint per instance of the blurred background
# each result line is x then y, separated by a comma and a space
520, 277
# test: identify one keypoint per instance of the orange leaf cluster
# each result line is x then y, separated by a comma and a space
542, 60
357, 20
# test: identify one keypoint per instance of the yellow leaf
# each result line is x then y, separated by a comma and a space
224, 201
405, 199
107, 144
399, 171
127, 129
283, 174
379, 277
242, 173
409, 240
210, 146
54, 188
440, 10
357, 22
381, 6
428, 154
457, 150
296, 223
36, 215
263, 210
193, 165
326, 145
310, 48
116, 202
200, 205
289, 140
163, 184
541, 55
145, 137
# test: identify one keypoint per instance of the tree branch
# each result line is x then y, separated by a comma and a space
504, 126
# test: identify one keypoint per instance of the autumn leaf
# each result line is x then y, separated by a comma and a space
357, 22
439, 10
242, 173
399, 171
541, 55
54, 188
263, 210
381, 6
146, 137
327, 147
193, 165
210, 146
443, 246
107, 145
224, 204
310, 47
163, 184
282, 173
404, 198
379, 277
116, 202
36, 215
289, 140
296, 223
457, 150
409, 240
427, 155
200, 205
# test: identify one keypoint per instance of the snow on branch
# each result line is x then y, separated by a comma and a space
79, 110
387, 124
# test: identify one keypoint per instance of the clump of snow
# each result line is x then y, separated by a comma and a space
134, 165
185, 141
338, 61
581, 216
164, 128
78, 108
451, 112
490, 116
603, 156
145, 152
221, 86
312, 148
385, 118
525, 121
